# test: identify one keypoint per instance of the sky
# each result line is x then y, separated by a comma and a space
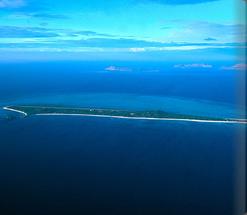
172, 30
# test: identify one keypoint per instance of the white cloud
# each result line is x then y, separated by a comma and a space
119, 69
12, 3
194, 65
137, 49
240, 66
178, 48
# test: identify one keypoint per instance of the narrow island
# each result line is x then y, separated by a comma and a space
113, 113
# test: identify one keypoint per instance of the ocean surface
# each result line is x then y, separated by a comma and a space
88, 165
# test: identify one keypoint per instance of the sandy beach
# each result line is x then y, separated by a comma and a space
17, 111
144, 118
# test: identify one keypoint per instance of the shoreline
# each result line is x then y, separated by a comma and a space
14, 110
144, 118
233, 121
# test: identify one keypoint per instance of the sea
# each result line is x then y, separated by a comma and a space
74, 165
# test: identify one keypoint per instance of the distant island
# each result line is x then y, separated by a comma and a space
114, 113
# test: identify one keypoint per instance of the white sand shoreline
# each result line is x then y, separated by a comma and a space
14, 110
144, 118
232, 121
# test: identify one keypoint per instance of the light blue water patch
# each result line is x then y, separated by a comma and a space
134, 102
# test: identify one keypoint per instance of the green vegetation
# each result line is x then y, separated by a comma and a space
33, 110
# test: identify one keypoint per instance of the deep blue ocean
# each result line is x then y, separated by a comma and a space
85, 165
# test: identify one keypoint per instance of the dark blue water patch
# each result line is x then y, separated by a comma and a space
80, 165
75, 77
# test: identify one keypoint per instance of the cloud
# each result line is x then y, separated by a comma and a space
210, 39
199, 31
12, 3
118, 69
90, 34
192, 66
176, 2
41, 38
38, 15
137, 49
25, 32
106, 44
25, 6
47, 16
240, 66
34, 32
54, 48
141, 45
43, 24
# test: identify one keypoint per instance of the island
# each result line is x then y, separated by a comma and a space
115, 113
